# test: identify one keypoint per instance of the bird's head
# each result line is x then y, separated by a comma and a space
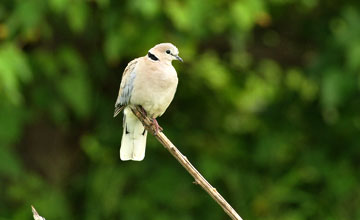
164, 52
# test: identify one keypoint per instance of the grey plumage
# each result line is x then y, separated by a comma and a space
126, 87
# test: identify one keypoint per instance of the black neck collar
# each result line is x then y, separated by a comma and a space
152, 56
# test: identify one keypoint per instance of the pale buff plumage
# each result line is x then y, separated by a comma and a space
149, 81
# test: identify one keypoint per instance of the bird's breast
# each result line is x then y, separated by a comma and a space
154, 90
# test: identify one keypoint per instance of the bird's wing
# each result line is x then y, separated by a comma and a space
126, 87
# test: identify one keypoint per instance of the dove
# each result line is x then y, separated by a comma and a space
149, 82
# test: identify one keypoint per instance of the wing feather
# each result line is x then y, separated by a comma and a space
126, 87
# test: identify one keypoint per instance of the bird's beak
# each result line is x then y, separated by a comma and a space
178, 58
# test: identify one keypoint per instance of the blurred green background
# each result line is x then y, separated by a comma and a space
267, 108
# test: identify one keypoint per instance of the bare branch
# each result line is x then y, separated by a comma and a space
199, 179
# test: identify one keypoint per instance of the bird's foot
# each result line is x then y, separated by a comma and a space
156, 127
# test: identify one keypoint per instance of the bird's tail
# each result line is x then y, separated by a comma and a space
133, 140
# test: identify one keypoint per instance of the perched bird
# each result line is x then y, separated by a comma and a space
150, 82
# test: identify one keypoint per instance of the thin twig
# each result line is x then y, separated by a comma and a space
36, 214
199, 179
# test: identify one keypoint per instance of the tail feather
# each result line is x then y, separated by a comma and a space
133, 140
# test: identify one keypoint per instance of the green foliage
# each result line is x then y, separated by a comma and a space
267, 108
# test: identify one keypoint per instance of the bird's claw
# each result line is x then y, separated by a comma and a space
156, 127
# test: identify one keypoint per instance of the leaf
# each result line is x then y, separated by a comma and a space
337, 86
14, 70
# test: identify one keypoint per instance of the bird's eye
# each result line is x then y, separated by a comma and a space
168, 51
